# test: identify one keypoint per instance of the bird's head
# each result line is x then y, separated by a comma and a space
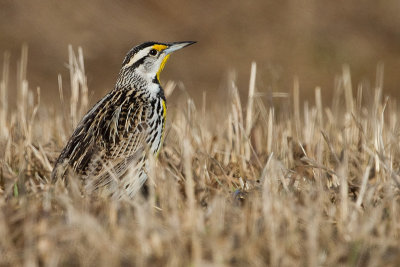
148, 60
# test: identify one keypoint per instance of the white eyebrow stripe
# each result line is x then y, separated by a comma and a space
142, 53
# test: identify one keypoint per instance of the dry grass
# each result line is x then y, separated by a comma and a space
285, 184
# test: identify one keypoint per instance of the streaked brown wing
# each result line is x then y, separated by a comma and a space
111, 134
120, 144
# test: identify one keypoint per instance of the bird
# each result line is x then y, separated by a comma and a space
109, 149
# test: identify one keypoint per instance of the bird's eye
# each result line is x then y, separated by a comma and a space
153, 52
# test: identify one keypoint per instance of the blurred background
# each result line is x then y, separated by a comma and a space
308, 39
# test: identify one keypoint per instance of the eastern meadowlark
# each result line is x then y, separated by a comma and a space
109, 147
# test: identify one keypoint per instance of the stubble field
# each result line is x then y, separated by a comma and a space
266, 180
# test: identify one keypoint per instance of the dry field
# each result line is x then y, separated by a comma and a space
267, 181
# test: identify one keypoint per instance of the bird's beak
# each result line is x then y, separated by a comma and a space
172, 47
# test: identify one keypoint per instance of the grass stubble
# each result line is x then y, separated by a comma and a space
281, 183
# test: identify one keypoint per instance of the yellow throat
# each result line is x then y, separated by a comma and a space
162, 67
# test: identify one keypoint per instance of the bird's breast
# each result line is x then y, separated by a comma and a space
156, 123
